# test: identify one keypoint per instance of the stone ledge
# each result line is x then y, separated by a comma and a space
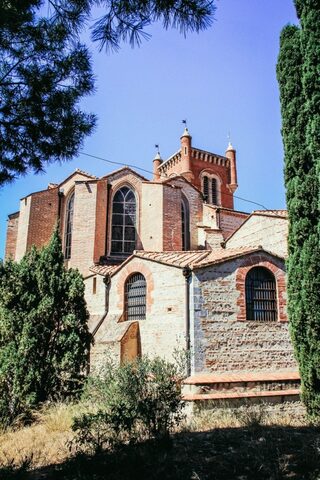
229, 377
233, 395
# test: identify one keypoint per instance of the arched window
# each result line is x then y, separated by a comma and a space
211, 189
214, 191
68, 227
261, 295
135, 297
206, 188
123, 236
185, 224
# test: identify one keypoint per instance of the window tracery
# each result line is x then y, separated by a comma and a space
211, 189
123, 229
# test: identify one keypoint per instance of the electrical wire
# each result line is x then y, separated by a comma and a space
149, 171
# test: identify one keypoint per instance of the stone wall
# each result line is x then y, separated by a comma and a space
95, 294
222, 340
268, 231
163, 330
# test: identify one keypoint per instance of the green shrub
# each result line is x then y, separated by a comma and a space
128, 403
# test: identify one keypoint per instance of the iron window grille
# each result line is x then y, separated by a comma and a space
261, 295
135, 297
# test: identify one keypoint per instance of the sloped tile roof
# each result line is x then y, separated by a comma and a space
78, 170
103, 269
273, 213
177, 259
194, 259
222, 255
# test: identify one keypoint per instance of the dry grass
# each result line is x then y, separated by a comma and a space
223, 416
283, 431
42, 443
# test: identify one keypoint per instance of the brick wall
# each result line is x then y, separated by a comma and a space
12, 232
152, 216
172, 226
201, 162
101, 220
83, 231
222, 339
196, 205
229, 221
43, 217
66, 189
23, 226
268, 231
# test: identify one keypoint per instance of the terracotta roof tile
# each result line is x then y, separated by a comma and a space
194, 259
103, 269
224, 254
177, 259
273, 213
78, 170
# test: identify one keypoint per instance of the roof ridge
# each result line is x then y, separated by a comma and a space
78, 170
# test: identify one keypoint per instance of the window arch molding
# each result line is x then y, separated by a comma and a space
261, 295
277, 267
185, 222
135, 297
68, 224
211, 187
127, 230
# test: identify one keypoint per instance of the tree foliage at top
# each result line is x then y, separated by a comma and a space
44, 337
298, 72
44, 73
45, 70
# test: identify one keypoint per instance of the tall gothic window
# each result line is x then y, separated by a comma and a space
185, 224
206, 188
68, 227
214, 191
123, 235
210, 189
261, 295
135, 297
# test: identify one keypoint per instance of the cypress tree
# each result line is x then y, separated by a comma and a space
44, 337
298, 77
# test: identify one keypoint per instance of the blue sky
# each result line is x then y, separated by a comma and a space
220, 80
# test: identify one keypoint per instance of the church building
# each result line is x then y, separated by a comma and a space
169, 265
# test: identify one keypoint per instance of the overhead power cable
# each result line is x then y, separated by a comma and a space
149, 171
